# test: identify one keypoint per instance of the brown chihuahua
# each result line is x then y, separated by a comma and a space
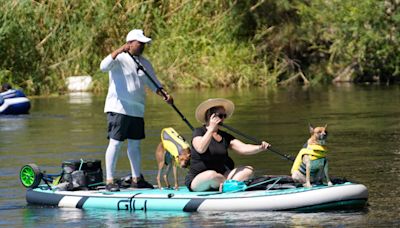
172, 151
311, 164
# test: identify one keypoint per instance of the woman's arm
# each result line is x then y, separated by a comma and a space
201, 143
248, 149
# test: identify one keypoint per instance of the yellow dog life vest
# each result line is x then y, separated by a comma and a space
173, 142
315, 152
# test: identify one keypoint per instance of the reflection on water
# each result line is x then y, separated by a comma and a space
63, 217
364, 144
277, 219
12, 123
80, 97
67, 217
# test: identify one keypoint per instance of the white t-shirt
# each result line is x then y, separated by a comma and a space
126, 94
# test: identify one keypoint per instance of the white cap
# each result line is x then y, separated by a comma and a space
137, 34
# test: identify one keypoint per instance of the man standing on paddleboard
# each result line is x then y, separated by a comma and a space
129, 72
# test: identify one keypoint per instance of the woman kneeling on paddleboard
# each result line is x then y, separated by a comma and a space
210, 164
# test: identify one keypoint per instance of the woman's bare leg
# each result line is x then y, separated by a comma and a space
207, 180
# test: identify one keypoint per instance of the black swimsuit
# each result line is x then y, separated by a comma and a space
215, 158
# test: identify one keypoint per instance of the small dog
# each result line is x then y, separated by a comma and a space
311, 164
172, 151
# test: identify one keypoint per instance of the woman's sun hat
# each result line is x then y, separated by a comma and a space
213, 102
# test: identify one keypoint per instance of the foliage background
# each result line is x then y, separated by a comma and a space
203, 43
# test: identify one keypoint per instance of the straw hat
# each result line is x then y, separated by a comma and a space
214, 102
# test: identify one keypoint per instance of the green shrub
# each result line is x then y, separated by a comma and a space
201, 43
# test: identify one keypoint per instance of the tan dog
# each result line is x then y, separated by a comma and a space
171, 152
311, 164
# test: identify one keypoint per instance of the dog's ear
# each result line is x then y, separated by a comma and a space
310, 128
326, 126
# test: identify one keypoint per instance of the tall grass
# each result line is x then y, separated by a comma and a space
206, 43
195, 42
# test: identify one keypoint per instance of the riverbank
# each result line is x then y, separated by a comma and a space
208, 43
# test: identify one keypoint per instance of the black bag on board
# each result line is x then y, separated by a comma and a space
81, 174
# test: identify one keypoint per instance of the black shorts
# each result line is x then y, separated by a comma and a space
121, 127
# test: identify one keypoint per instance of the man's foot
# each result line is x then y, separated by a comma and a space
141, 183
112, 187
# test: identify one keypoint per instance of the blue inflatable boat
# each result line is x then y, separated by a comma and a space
14, 102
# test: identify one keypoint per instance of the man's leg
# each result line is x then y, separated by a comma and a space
112, 152
135, 157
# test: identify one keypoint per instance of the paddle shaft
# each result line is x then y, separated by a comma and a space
141, 67
257, 141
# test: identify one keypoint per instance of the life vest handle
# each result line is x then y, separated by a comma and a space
255, 140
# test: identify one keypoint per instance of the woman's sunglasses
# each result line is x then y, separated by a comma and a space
221, 115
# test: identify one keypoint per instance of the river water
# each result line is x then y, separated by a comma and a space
364, 143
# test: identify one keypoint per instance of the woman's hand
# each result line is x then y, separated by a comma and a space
214, 121
264, 146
